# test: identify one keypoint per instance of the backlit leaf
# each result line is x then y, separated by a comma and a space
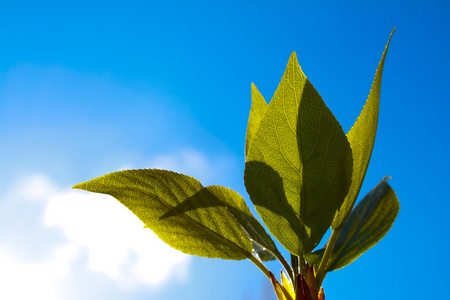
257, 112
362, 138
238, 208
368, 223
183, 213
299, 164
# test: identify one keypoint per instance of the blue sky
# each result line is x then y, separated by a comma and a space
91, 87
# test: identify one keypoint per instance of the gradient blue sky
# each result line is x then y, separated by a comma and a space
90, 87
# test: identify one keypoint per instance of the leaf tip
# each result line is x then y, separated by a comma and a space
80, 186
386, 178
293, 56
321, 294
254, 89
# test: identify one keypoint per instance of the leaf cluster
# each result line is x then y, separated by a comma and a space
303, 175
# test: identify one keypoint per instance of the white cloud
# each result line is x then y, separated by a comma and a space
24, 280
116, 242
113, 236
72, 227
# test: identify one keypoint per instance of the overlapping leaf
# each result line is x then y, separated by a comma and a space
263, 244
257, 111
368, 223
299, 164
183, 213
362, 138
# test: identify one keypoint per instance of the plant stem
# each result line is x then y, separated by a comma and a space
260, 265
321, 271
294, 264
301, 264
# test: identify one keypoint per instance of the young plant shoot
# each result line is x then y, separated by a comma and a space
303, 175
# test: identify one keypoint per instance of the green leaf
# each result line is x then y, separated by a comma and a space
203, 227
367, 225
362, 138
299, 164
257, 111
262, 243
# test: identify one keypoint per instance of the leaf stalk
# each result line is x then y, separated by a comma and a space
260, 265
294, 264
321, 271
